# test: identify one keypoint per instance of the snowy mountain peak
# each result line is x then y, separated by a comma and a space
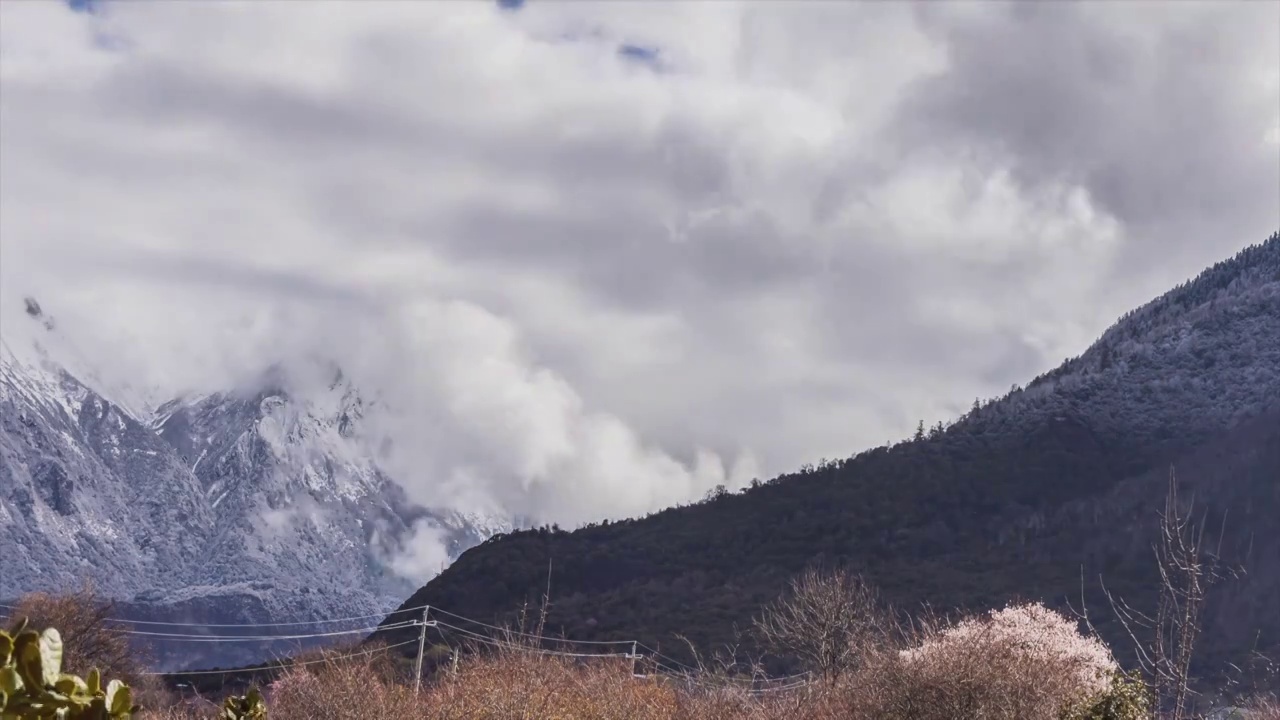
246, 505
35, 345
1179, 369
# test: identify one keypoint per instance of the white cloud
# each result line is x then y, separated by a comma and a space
423, 554
593, 289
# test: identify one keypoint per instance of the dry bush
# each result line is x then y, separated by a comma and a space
339, 683
509, 684
1024, 663
1264, 708
1165, 642
827, 620
91, 640
1021, 663
516, 684
343, 684
178, 712
813, 702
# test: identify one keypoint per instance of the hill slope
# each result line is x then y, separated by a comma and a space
1016, 498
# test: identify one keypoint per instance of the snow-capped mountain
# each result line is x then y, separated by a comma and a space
1199, 358
253, 505
87, 489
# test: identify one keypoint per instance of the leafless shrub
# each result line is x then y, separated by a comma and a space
517, 682
92, 640
828, 620
1264, 708
344, 684
1186, 573
1025, 663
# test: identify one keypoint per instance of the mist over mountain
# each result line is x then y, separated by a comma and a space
296, 306
1043, 493
261, 504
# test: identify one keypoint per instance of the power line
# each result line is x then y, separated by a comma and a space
657, 654
793, 686
540, 651
253, 625
529, 635
285, 665
266, 638
677, 669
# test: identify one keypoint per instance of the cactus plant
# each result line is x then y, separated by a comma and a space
245, 707
32, 684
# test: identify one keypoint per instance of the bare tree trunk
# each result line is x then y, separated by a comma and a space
1185, 576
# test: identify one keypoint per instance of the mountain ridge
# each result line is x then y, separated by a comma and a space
252, 505
957, 516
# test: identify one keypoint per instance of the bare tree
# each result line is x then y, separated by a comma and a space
1186, 573
89, 636
828, 620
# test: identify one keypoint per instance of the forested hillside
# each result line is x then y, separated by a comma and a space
1022, 497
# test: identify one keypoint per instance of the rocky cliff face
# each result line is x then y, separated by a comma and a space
254, 505
86, 488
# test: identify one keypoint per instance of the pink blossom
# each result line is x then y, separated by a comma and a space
1036, 633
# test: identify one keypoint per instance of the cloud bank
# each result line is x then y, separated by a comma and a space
600, 257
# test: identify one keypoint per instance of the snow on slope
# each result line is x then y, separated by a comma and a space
68, 458
1185, 366
247, 506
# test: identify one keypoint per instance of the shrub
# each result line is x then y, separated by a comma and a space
343, 685
1124, 699
827, 620
1033, 634
1021, 663
1264, 708
1024, 662
91, 640
516, 684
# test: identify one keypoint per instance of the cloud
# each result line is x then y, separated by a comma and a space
1160, 117
590, 289
423, 555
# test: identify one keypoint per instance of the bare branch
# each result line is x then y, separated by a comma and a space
1184, 578
826, 620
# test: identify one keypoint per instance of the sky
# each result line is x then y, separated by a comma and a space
603, 256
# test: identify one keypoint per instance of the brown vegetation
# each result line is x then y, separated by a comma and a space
827, 620
92, 640
1024, 663
1264, 708
1187, 569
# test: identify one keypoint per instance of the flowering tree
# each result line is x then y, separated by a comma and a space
1024, 662
1038, 635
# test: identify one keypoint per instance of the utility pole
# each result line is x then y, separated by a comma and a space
422, 642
